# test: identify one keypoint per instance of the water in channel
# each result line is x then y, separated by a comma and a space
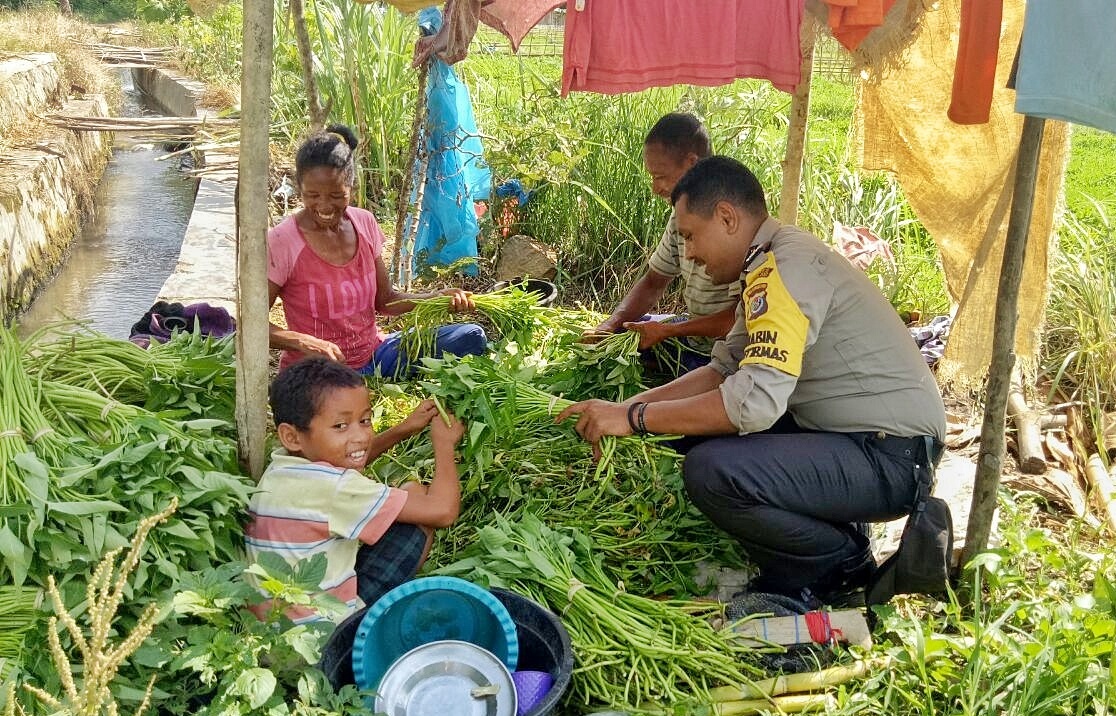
129, 246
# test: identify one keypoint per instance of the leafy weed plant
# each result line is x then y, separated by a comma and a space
1036, 639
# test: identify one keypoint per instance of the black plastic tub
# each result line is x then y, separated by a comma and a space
544, 645
545, 290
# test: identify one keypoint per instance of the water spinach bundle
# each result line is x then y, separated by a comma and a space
86, 451
630, 650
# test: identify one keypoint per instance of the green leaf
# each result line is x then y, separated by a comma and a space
90, 507
204, 424
305, 642
16, 555
257, 685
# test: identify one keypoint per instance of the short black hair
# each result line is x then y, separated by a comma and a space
332, 147
680, 134
296, 393
719, 178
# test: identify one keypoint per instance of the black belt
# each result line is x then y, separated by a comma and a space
922, 448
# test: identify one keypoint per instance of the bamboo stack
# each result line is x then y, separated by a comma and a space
129, 56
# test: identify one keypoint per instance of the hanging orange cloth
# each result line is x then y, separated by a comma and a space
978, 50
850, 21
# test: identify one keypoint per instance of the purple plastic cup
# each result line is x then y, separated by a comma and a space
530, 688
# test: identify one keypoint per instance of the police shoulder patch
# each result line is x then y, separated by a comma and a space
776, 325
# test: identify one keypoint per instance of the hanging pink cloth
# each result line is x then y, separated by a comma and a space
515, 18
615, 46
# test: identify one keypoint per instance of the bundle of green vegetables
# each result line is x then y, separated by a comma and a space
630, 650
83, 456
510, 310
516, 459
19, 612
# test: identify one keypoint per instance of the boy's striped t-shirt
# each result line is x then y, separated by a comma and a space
306, 508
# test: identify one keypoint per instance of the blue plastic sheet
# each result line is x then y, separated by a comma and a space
456, 175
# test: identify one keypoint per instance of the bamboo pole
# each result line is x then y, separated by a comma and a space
1028, 433
404, 202
1102, 488
990, 460
796, 132
251, 244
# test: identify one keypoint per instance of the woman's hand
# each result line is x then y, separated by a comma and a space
460, 301
419, 418
312, 346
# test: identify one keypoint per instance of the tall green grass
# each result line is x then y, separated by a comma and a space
1079, 350
362, 64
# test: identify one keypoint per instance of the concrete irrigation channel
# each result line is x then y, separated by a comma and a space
91, 226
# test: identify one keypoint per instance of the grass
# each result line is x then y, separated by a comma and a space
45, 30
1079, 350
1038, 639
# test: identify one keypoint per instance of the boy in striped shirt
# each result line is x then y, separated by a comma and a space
314, 499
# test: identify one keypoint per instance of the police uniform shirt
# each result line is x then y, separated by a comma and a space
702, 296
815, 337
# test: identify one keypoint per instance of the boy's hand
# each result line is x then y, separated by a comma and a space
443, 434
419, 418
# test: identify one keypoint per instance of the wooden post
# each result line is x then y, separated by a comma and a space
251, 244
796, 132
991, 457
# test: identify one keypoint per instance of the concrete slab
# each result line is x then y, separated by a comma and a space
206, 269
29, 83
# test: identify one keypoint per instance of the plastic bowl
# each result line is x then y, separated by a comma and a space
544, 646
426, 610
546, 291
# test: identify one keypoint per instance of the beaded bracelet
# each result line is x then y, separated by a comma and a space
639, 418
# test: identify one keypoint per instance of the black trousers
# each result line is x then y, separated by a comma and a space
791, 497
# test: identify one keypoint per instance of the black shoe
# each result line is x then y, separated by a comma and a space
844, 586
746, 603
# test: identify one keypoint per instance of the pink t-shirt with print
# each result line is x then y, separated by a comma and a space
333, 303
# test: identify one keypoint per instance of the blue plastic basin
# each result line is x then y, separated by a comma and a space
425, 610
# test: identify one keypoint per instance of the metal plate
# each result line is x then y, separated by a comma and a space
447, 677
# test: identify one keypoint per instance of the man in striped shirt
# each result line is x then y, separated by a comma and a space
314, 499
674, 144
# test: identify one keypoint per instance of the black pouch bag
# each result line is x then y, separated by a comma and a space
923, 560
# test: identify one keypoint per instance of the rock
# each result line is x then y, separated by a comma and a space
523, 256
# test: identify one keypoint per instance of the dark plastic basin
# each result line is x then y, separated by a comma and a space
544, 645
546, 291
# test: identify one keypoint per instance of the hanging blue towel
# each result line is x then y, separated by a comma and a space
456, 175
1067, 61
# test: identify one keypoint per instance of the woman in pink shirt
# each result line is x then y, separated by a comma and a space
325, 262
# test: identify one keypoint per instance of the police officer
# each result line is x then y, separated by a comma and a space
814, 412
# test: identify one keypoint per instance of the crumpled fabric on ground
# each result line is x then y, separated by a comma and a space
931, 338
959, 181
613, 47
860, 246
163, 319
